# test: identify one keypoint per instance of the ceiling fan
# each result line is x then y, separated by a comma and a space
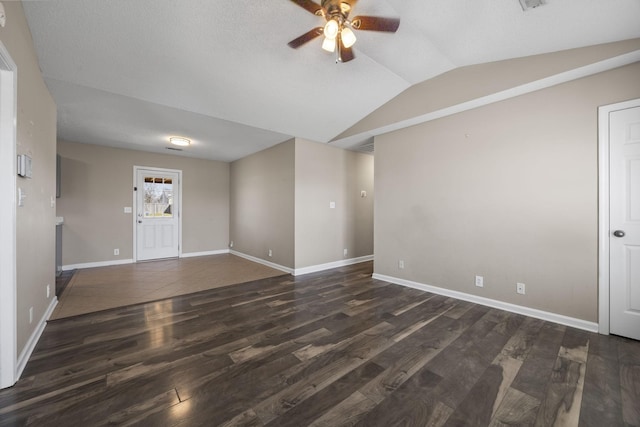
338, 29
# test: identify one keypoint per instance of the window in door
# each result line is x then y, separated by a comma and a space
158, 197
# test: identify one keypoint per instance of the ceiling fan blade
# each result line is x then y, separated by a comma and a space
309, 5
346, 54
305, 38
374, 23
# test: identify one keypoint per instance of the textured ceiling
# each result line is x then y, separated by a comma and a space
131, 73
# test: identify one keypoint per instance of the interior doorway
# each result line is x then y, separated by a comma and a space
8, 109
619, 254
158, 218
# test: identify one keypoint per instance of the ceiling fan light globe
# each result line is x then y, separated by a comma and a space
329, 44
331, 29
179, 141
348, 37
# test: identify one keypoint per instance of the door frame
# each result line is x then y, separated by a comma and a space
135, 206
8, 221
604, 234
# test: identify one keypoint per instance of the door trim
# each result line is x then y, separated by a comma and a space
135, 207
603, 211
8, 287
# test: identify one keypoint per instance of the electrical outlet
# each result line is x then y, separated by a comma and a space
345, 252
30, 315
332, 205
270, 252
48, 291
520, 288
231, 244
401, 264
480, 281
116, 251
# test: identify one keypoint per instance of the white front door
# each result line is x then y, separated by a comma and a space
624, 220
157, 213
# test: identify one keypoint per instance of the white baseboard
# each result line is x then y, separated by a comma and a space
330, 265
25, 354
262, 261
97, 264
205, 253
513, 308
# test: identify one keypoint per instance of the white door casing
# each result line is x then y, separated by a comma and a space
157, 213
8, 109
624, 220
619, 222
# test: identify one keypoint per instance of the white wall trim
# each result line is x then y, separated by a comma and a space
205, 253
8, 287
33, 339
603, 210
96, 264
513, 308
556, 79
262, 261
330, 265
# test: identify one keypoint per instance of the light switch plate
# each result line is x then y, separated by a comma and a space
127, 209
25, 168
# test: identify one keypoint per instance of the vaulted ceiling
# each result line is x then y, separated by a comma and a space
132, 73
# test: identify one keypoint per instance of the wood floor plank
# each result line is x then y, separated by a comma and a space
413, 403
311, 409
563, 397
345, 413
332, 348
533, 377
516, 409
629, 358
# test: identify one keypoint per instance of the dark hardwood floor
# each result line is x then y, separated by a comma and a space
326, 349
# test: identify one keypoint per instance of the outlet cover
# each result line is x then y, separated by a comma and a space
401, 264
270, 252
480, 281
116, 251
520, 288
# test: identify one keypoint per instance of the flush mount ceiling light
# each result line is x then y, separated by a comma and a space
179, 141
338, 29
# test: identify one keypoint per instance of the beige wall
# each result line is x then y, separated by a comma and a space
36, 135
475, 81
280, 201
97, 183
507, 191
262, 204
327, 174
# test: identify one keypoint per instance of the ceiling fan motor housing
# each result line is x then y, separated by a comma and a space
336, 9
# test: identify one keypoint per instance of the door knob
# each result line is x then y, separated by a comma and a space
619, 233
139, 222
